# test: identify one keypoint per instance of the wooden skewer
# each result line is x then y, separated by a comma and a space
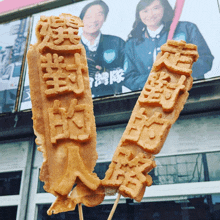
114, 207
80, 211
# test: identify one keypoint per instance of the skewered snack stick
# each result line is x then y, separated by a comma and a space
62, 108
80, 211
158, 107
114, 207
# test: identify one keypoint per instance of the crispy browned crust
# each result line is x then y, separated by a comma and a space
62, 107
64, 122
157, 108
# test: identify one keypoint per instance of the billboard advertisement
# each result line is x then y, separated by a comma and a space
13, 37
122, 40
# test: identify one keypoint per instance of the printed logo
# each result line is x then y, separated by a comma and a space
116, 76
101, 78
109, 55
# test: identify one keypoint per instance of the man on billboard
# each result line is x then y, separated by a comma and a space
105, 53
149, 33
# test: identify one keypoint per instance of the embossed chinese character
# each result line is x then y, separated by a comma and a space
73, 123
175, 63
43, 27
147, 132
75, 170
129, 172
61, 77
79, 121
161, 92
177, 57
58, 122
59, 33
56, 22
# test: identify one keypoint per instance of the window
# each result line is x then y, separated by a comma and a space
15, 167
187, 168
10, 183
192, 207
8, 212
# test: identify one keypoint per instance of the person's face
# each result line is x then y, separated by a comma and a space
93, 19
151, 15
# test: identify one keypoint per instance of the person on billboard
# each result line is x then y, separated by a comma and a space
149, 33
105, 53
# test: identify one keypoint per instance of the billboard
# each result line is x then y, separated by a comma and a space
13, 37
122, 40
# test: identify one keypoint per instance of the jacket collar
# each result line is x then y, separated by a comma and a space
93, 47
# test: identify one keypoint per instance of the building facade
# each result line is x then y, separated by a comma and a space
186, 181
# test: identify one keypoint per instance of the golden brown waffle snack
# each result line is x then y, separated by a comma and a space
157, 108
62, 108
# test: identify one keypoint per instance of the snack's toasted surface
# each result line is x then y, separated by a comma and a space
158, 107
64, 122
62, 107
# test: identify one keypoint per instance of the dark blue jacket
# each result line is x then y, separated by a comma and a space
106, 66
139, 55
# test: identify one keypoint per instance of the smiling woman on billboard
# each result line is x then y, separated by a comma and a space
149, 33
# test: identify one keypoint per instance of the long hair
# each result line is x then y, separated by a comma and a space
138, 26
97, 2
